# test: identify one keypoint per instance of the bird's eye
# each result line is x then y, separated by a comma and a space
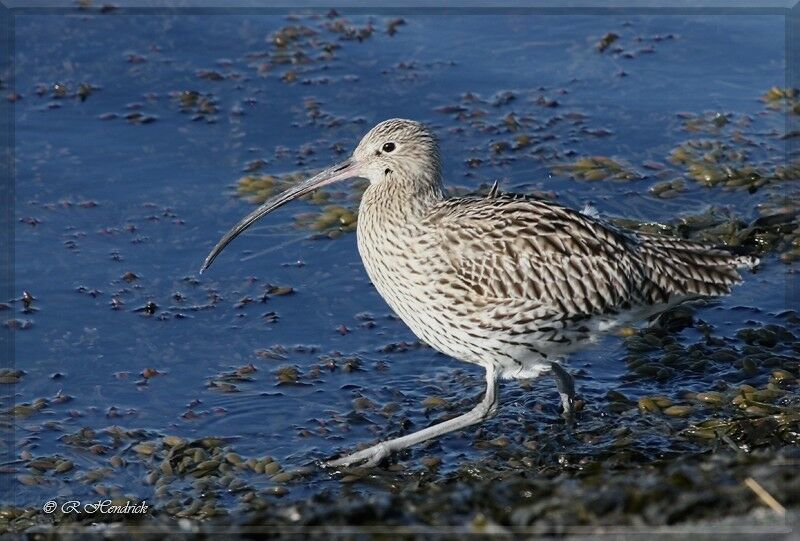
388, 147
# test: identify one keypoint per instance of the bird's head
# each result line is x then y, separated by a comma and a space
399, 151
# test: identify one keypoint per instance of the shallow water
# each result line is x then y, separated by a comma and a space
111, 197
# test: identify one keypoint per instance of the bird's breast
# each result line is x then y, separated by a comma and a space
388, 245
404, 264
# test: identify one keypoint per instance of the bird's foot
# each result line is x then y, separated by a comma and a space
566, 390
368, 458
568, 403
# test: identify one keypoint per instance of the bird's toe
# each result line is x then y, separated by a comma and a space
370, 457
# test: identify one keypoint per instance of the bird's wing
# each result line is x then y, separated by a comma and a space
512, 247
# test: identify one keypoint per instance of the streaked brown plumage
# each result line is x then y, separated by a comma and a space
506, 281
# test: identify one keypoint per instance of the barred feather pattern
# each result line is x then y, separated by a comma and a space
517, 281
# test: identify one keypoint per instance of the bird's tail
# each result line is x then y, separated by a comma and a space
679, 267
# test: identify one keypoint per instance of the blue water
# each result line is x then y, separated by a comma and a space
160, 196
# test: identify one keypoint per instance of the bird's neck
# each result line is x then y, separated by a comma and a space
408, 199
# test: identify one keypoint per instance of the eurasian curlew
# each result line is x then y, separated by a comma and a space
510, 282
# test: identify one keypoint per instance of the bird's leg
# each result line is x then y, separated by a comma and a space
566, 389
372, 456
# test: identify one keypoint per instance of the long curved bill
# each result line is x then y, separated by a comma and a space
341, 171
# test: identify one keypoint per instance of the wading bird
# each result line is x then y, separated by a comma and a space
509, 282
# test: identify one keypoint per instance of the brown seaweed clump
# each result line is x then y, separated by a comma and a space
596, 168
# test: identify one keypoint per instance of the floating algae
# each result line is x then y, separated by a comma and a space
668, 189
782, 99
596, 168
331, 218
711, 163
710, 122
606, 41
259, 188
328, 219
